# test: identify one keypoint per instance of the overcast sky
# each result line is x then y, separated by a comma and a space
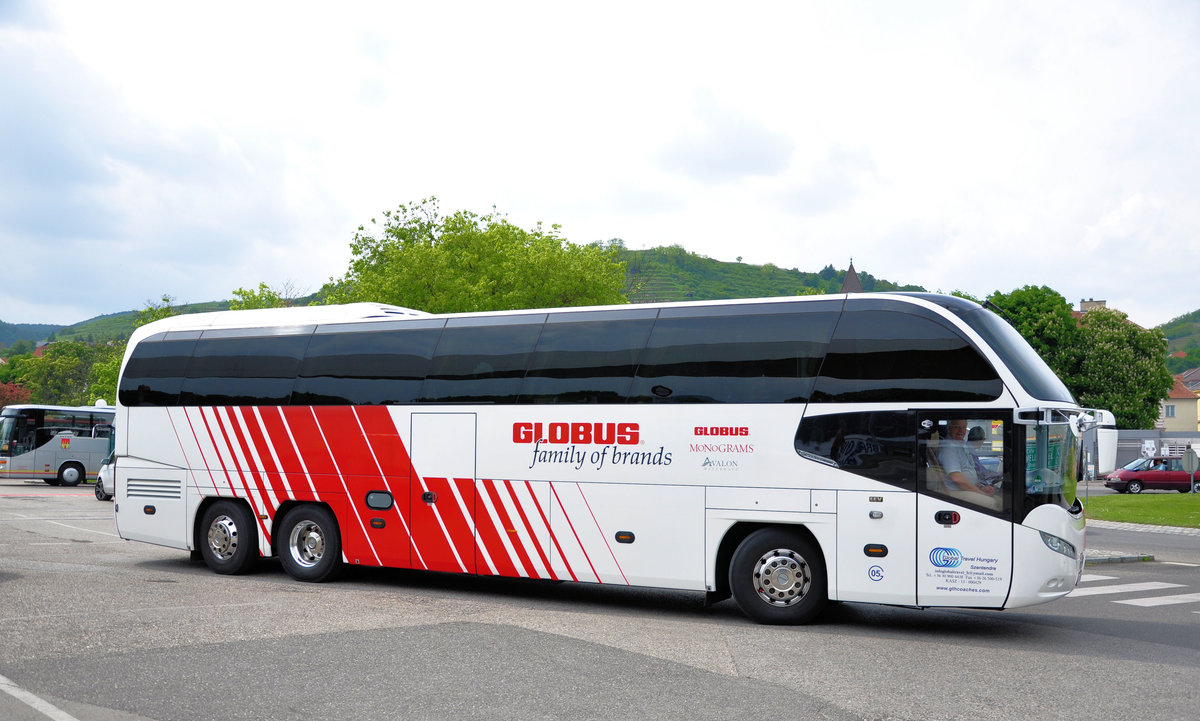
192, 149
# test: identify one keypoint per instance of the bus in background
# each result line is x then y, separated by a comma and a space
907, 449
61, 445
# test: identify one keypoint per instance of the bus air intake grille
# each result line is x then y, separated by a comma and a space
153, 488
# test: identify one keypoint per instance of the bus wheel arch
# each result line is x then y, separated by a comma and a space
227, 536
308, 542
70, 473
777, 575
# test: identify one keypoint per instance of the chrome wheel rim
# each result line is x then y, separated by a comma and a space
782, 577
223, 538
307, 544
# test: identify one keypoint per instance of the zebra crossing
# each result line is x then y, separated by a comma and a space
1176, 593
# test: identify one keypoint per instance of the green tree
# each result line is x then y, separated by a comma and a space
1104, 360
156, 311
106, 367
1045, 319
61, 375
264, 297
1121, 367
469, 262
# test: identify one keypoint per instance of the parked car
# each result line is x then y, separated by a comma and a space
105, 488
1156, 473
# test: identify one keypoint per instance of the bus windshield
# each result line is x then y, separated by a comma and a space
1051, 465
8, 425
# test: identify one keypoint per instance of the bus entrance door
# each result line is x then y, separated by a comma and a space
443, 491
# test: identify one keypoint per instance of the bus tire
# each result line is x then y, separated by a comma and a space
309, 543
70, 474
777, 576
228, 538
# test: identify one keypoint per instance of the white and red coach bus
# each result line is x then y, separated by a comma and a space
783, 451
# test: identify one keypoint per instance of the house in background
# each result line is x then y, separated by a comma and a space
1180, 411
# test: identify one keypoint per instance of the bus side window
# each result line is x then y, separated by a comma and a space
586, 357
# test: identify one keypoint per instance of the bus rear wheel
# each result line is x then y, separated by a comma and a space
310, 545
70, 474
228, 538
777, 576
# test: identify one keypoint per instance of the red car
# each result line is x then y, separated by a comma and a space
1160, 472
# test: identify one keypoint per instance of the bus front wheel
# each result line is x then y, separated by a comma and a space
310, 545
70, 474
777, 576
228, 538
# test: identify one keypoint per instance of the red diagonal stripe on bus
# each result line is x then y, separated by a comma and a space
311, 446
459, 532
603, 535
392, 464
537, 544
337, 434
571, 525
274, 480
553, 537
489, 531
255, 471
212, 439
262, 525
187, 415
280, 440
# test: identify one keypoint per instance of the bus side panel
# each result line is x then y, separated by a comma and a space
513, 529
662, 526
876, 558
151, 503
968, 562
443, 492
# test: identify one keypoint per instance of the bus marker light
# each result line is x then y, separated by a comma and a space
149, 510
624, 536
875, 550
378, 523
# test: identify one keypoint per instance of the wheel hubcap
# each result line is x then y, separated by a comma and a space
782, 577
70, 474
307, 543
223, 538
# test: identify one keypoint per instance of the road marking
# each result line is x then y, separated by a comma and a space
1162, 600
1094, 577
1179, 563
1123, 588
87, 530
43, 707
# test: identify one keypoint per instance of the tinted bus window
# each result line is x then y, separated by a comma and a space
880, 445
883, 356
752, 355
243, 371
155, 372
586, 361
366, 368
481, 363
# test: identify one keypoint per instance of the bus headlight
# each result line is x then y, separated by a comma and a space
1058, 545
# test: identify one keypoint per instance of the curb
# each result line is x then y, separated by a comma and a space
1095, 557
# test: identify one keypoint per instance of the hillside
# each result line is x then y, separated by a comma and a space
1183, 334
12, 332
673, 274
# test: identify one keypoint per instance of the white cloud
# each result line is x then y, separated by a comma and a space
980, 146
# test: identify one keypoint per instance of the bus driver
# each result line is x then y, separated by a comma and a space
960, 466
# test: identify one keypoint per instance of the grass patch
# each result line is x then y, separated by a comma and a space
1159, 509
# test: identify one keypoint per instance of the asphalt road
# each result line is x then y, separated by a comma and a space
106, 630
